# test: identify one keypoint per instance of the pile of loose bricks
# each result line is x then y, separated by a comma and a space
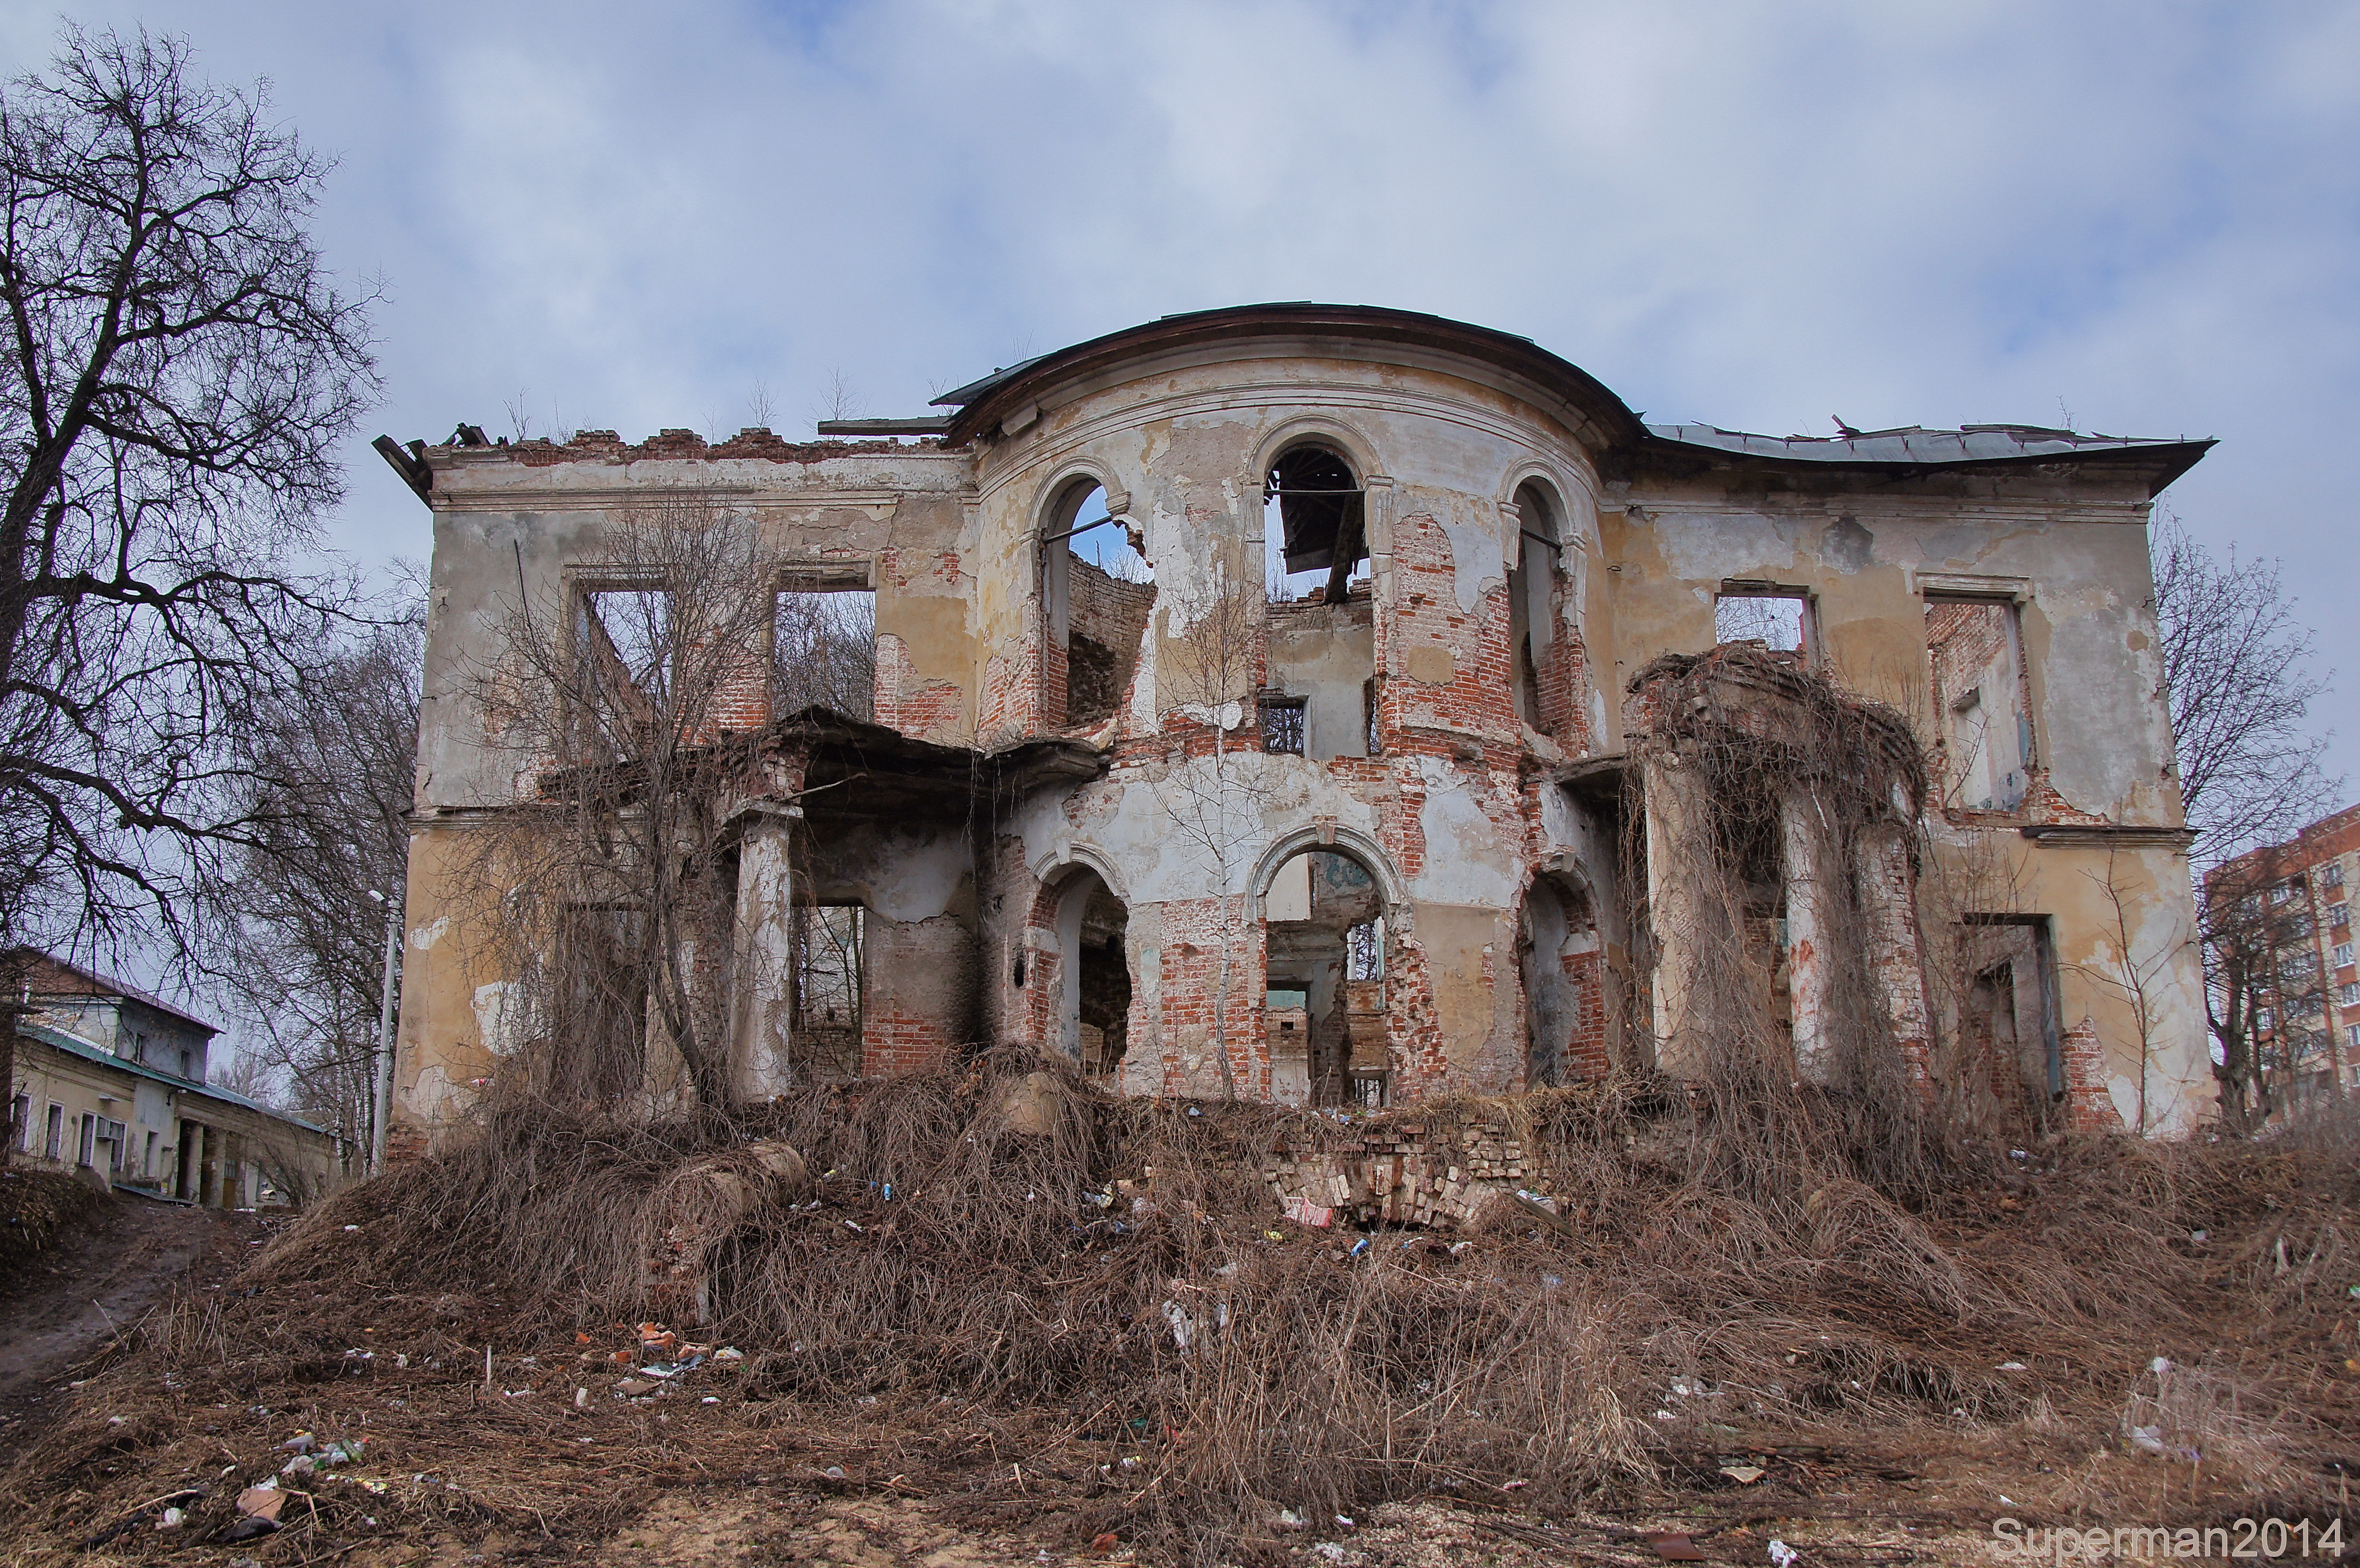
1411, 1171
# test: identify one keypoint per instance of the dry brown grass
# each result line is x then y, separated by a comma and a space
989, 1335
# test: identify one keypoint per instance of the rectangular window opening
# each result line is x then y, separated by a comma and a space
824, 647
1283, 725
1779, 619
831, 942
1982, 708
53, 1144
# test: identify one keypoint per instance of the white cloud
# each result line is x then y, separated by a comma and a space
1757, 216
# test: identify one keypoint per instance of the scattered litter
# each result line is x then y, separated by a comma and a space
2148, 1440
2159, 1367
634, 1388
1743, 1475
580, 1398
1781, 1554
257, 1508
351, 1227
728, 1353
2013, 1367
171, 1518
712, 1398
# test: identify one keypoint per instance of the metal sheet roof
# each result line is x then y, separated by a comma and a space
74, 1046
1608, 419
1913, 443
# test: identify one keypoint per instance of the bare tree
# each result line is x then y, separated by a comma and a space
1217, 802
176, 368
2236, 670
621, 700
823, 652
298, 916
2263, 983
2238, 674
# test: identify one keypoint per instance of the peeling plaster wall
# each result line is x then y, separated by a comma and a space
1463, 807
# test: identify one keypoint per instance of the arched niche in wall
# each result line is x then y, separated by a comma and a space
1560, 953
1098, 593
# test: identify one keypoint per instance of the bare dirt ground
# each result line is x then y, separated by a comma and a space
80, 1293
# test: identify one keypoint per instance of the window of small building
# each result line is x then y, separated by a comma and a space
20, 1116
823, 645
1315, 530
1372, 717
2331, 874
1779, 618
1283, 725
53, 1143
1981, 703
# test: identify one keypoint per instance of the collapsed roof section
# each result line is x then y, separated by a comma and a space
853, 770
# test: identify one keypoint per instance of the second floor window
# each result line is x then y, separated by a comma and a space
1982, 709
1283, 725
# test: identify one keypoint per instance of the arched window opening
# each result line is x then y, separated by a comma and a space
1099, 591
1093, 990
1322, 649
1315, 528
1324, 1015
1531, 611
1559, 951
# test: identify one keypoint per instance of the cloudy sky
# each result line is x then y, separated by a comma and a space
2138, 218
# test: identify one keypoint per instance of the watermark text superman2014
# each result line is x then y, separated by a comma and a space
2241, 1540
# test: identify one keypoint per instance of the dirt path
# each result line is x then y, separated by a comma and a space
127, 1262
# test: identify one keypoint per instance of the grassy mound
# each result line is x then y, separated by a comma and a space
951, 1294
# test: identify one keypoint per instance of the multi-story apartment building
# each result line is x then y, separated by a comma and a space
1576, 743
2282, 915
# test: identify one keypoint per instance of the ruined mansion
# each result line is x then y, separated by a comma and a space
1330, 705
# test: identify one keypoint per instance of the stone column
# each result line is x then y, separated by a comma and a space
1888, 901
761, 968
1803, 864
1676, 911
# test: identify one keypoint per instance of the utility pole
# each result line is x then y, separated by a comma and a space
381, 1098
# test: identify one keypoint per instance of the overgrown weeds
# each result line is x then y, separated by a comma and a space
990, 1281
